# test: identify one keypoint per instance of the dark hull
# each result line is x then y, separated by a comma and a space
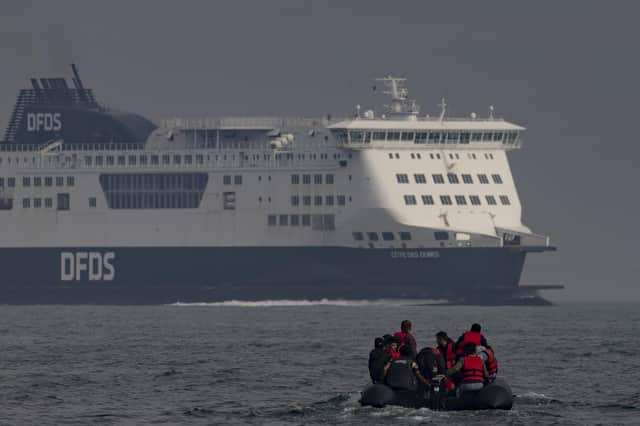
156, 275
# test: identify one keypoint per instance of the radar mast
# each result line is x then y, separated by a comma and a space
401, 106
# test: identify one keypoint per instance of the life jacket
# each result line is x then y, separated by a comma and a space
448, 358
472, 369
401, 376
491, 362
392, 353
469, 337
403, 338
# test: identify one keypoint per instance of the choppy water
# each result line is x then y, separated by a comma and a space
300, 363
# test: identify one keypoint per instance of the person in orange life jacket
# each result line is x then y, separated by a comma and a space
405, 336
446, 356
472, 336
391, 345
403, 372
474, 372
490, 361
378, 359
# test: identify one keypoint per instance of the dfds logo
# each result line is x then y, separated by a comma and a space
87, 266
47, 121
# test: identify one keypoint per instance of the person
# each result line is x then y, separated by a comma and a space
474, 336
489, 358
474, 372
405, 335
392, 344
446, 355
378, 359
403, 373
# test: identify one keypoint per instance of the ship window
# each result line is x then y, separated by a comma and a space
402, 178
92, 201
357, 236
483, 178
48, 203
497, 136
155, 160
295, 220
295, 179
356, 136
26, 181
98, 160
391, 155
379, 136
496, 178
199, 159
427, 200
133, 160
452, 137
237, 180
467, 179
121, 160
6, 203
397, 155
37, 181
328, 179
306, 200
271, 220
388, 236
393, 136
110, 160
421, 137
71, 181
487, 136
11, 182
283, 220
410, 200
341, 200
476, 137
505, 200
188, 159
317, 200
226, 180
464, 137
26, 203
453, 178
295, 200
438, 178
59, 181
445, 200
420, 178
177, 159
407, 136
461, 200
317, 179
166, 159
491, 200
405, 236
88, 160
434, 137
37, 203
475, 200
306, 179
48, 181
63, 202
306, 220
372, 236
329, 200
441, 236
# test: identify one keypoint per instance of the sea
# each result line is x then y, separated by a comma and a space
302, 362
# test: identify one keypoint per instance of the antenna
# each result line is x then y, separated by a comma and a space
76, 77
443, 108
400, 104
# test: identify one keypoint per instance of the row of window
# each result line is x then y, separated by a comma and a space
437, 156
451, 178
317, 179
386, 236
62, 202
460, 200
432, 137
319, 200
48, 181
321, 222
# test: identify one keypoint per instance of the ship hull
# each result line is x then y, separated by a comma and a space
159, 275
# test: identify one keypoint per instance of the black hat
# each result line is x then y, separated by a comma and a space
378, 342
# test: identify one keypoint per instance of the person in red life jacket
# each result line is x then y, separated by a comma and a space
405, 335
490, 361
446, 356
472, 336
391, 345
474, 372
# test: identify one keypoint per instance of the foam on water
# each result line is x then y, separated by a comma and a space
302, 303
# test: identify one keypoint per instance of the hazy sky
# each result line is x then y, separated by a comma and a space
567, 70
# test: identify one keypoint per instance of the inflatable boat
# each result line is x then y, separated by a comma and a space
494, 396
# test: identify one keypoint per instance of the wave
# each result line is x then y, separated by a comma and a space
319, 302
